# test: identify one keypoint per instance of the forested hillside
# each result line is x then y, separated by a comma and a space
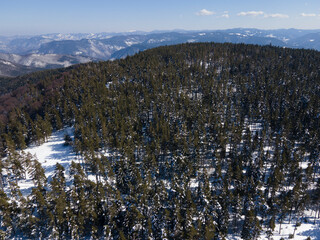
206, 140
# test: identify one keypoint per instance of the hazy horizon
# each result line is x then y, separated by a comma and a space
154, 31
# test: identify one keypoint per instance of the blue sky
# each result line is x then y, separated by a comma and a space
73, 16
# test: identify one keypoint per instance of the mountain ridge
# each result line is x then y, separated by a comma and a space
105, 46
12, 65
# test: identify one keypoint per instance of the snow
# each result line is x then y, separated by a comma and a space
255, 127
54, 151
308, 228
7, 63
42, 60
305, 230
156, 40
131, 41
194, 183
49, 154
271, 36
240, 34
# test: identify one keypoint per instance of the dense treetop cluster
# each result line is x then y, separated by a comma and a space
206, 140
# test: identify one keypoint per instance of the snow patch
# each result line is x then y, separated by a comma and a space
7, 63
52, 152
308, 228
271, 36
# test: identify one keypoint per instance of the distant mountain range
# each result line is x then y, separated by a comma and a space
14, 65
22, 54
11, 69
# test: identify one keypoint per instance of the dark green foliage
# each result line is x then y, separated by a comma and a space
67, 140
205, 140
251, 228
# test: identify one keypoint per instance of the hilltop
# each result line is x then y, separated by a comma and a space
191, 141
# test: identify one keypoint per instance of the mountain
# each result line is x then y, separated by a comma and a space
12, 69
61, 50
106, 45
14, 64
309, 41
121, 46
189, 141
155, 40
27, 44
44, 61
99, 49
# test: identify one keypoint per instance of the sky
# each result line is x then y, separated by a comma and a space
31, 17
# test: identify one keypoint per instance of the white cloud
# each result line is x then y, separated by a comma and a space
308, 14
205, 12
261, 13
225, 14
250, 13
276, 15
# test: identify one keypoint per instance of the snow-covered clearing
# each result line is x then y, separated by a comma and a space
54, 151
49, 154
307, 229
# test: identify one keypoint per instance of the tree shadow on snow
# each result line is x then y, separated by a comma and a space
61, 152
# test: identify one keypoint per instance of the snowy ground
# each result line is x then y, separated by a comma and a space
307, 229
49, 154
54, 151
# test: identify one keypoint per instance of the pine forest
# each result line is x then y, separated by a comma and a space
204, 141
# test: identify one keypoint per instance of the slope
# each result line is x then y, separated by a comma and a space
13, 65
204, 141
10, 69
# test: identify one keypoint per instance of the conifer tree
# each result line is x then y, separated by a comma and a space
58, 203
